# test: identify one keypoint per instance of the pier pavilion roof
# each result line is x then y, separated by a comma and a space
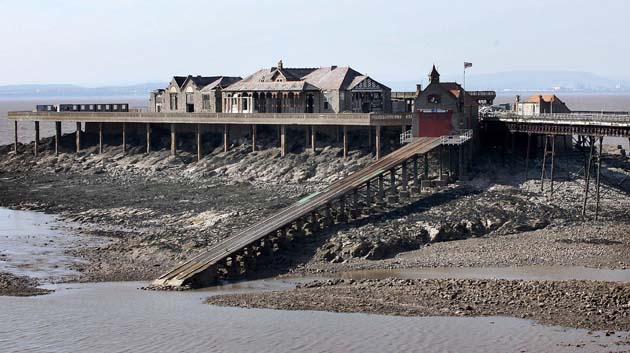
280, 78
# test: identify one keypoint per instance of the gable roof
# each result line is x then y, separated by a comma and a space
544, 97
301, 79
456, 90
179, 80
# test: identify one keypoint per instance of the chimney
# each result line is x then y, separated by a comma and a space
280, 65
333, 67
518, 98
418, 89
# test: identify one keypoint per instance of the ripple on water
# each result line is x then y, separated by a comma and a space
116, 317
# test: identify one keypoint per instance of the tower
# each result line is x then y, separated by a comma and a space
434, 76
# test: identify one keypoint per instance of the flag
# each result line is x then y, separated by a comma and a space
467, 65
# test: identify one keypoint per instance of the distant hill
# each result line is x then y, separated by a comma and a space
538, 81
64, 90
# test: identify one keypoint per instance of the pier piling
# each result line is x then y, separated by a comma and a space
15, 134
198, 139
124, 138
283, 140
57, 136
173, 140
78, 137
148, 134
345, 142
100, 138
313, 139
599, 168
225, 137
36, 145
254, 128
378, 142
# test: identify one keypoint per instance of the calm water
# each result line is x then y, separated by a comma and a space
117, 317
26, 130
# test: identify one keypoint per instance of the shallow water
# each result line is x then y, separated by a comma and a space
116, 317
31, 244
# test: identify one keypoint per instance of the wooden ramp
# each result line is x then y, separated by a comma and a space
369, 184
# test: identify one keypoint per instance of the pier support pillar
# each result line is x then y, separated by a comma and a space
542, 176
404, 193
100, 138
225, 137
36, 145
553, 157
441, 162
78, 137
283, 140
599, 168
15, 135
461, 169
529, 140
378, 142
587, 172
198, 139
148, 138
313, 139
426, 166
173, 140
370, 138
254, 128
392, 197
124, 138
57, 136
416, 175
345, 141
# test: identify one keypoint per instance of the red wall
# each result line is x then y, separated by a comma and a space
433, 124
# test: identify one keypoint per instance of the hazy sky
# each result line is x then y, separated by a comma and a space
123, 42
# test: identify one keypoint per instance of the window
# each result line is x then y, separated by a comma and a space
115, 106
123, 107
245, 103
325, 105
98, 107
205, 102
173, 101
106, 106
91, 106
49, 108
434, 99
74, 107
82, 106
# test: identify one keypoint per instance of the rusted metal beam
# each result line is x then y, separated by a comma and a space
78, 137
100, 138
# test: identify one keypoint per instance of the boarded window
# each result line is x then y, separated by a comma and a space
205, 102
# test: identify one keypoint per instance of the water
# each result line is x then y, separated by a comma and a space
26, 130
117, 317
31, 244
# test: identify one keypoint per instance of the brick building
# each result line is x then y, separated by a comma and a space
540, 104
449, 96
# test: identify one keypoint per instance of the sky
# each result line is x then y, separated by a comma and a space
117, 42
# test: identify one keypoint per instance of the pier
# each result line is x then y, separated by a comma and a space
172, 121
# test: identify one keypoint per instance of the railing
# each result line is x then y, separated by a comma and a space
560, 117
406, 137
238, 118
457, 137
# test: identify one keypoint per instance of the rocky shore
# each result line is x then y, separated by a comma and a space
580, 304
156, 210
19, 286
